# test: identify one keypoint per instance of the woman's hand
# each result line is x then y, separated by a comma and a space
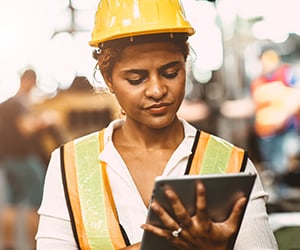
199, 231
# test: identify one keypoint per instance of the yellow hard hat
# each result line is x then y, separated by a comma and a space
116, 19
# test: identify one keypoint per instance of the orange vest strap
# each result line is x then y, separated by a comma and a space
87, 188
213, 155
112, 214
71, 193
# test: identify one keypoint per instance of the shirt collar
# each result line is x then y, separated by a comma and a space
189, 134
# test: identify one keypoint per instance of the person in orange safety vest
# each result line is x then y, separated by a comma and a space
276, 95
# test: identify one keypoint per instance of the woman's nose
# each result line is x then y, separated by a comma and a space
155, 88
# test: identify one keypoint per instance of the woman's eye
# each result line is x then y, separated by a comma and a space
170, 75
136, 81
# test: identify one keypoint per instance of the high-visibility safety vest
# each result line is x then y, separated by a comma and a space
88, 194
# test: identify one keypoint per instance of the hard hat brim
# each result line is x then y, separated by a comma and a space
188, 30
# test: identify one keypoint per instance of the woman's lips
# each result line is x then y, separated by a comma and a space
158, 108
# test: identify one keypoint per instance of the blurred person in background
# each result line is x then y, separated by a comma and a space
276, 95
22, 161
98, 187
274, 105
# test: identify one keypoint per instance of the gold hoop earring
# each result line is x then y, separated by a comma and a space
122, 114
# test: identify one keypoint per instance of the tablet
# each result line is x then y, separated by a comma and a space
222, 191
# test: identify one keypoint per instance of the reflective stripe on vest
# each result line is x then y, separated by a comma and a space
213, 155
92, 210
91, 206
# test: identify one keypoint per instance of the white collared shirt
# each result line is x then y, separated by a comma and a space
55, 229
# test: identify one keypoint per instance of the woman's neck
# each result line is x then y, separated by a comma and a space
150, 138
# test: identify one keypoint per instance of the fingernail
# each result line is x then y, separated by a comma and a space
168, 192
244, 201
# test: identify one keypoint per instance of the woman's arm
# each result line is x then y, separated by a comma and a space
54, 234
255, 232
54, 231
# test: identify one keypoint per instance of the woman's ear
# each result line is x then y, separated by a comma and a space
108, 82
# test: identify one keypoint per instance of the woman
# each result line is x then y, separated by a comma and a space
142, 59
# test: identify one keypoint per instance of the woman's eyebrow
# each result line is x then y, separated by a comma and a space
135, 71
168, 65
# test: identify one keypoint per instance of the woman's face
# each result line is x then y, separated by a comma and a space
149, 83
